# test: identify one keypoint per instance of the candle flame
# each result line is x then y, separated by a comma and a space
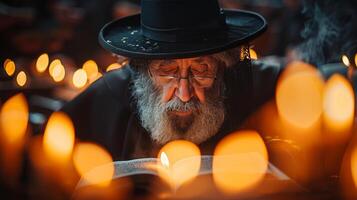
91, 68
21, 78
338, 103
14, 116
58, 139
164, 160
181, 160
345, 60
240, 161
79, 78
10, 67
299, 95
93, 163
58, 72
42, 63
52, 66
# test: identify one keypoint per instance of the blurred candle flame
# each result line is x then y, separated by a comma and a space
79, 78
164, 160
345, 60
299, 95
54, 63
91, 68
240, 161
253, 54
93, 163
113, 66
58, 139
356, 59
9, 67
42, 63
14, 119
338, 103
354, 166
181, 160
58, 72
21, 78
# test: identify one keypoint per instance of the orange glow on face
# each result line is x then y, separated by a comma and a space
21, 78
93, 163
91, 68
253, 54
9, 67
345, 60
181, 161
113, 66
42, 63
58, 139
240, 161
58, 73
339, 103
79, 78
14, 118
52, 66
299, 95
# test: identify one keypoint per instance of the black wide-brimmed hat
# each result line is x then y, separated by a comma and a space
180, 29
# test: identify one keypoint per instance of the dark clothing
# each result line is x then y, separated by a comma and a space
106, 114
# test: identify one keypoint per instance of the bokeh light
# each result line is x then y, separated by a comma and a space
21, 78
93, 163
299, 95
58, 139
338, 103
91, 68
113, 66
181, 160
356, 59
58, 73
345, 60
54, 63
79, 78
42, 62
9, 67
240, 161
253, 54
14, 118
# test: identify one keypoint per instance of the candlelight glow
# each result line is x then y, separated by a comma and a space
91, 68
181, 160
52, 66
93, 163
21, 78
240, 162
299, 95
14, 116
58, 139
253, 54
356, 59
354, 166
58, 73
345, 60
113, 66
42, 62
79, 78
9, 66
339, 103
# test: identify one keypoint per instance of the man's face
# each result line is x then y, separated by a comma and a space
181, 99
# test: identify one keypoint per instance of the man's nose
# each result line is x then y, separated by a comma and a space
184, 90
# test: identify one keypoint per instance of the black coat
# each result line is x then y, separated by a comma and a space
105, 113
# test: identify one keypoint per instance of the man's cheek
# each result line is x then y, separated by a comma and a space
167, 93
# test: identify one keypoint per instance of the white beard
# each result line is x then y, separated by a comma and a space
205, 121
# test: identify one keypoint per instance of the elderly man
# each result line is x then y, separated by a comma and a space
189, 77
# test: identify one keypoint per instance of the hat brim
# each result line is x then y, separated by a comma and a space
123, 37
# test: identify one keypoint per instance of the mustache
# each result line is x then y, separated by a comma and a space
177, 105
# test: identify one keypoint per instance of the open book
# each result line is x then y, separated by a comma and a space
141, 179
